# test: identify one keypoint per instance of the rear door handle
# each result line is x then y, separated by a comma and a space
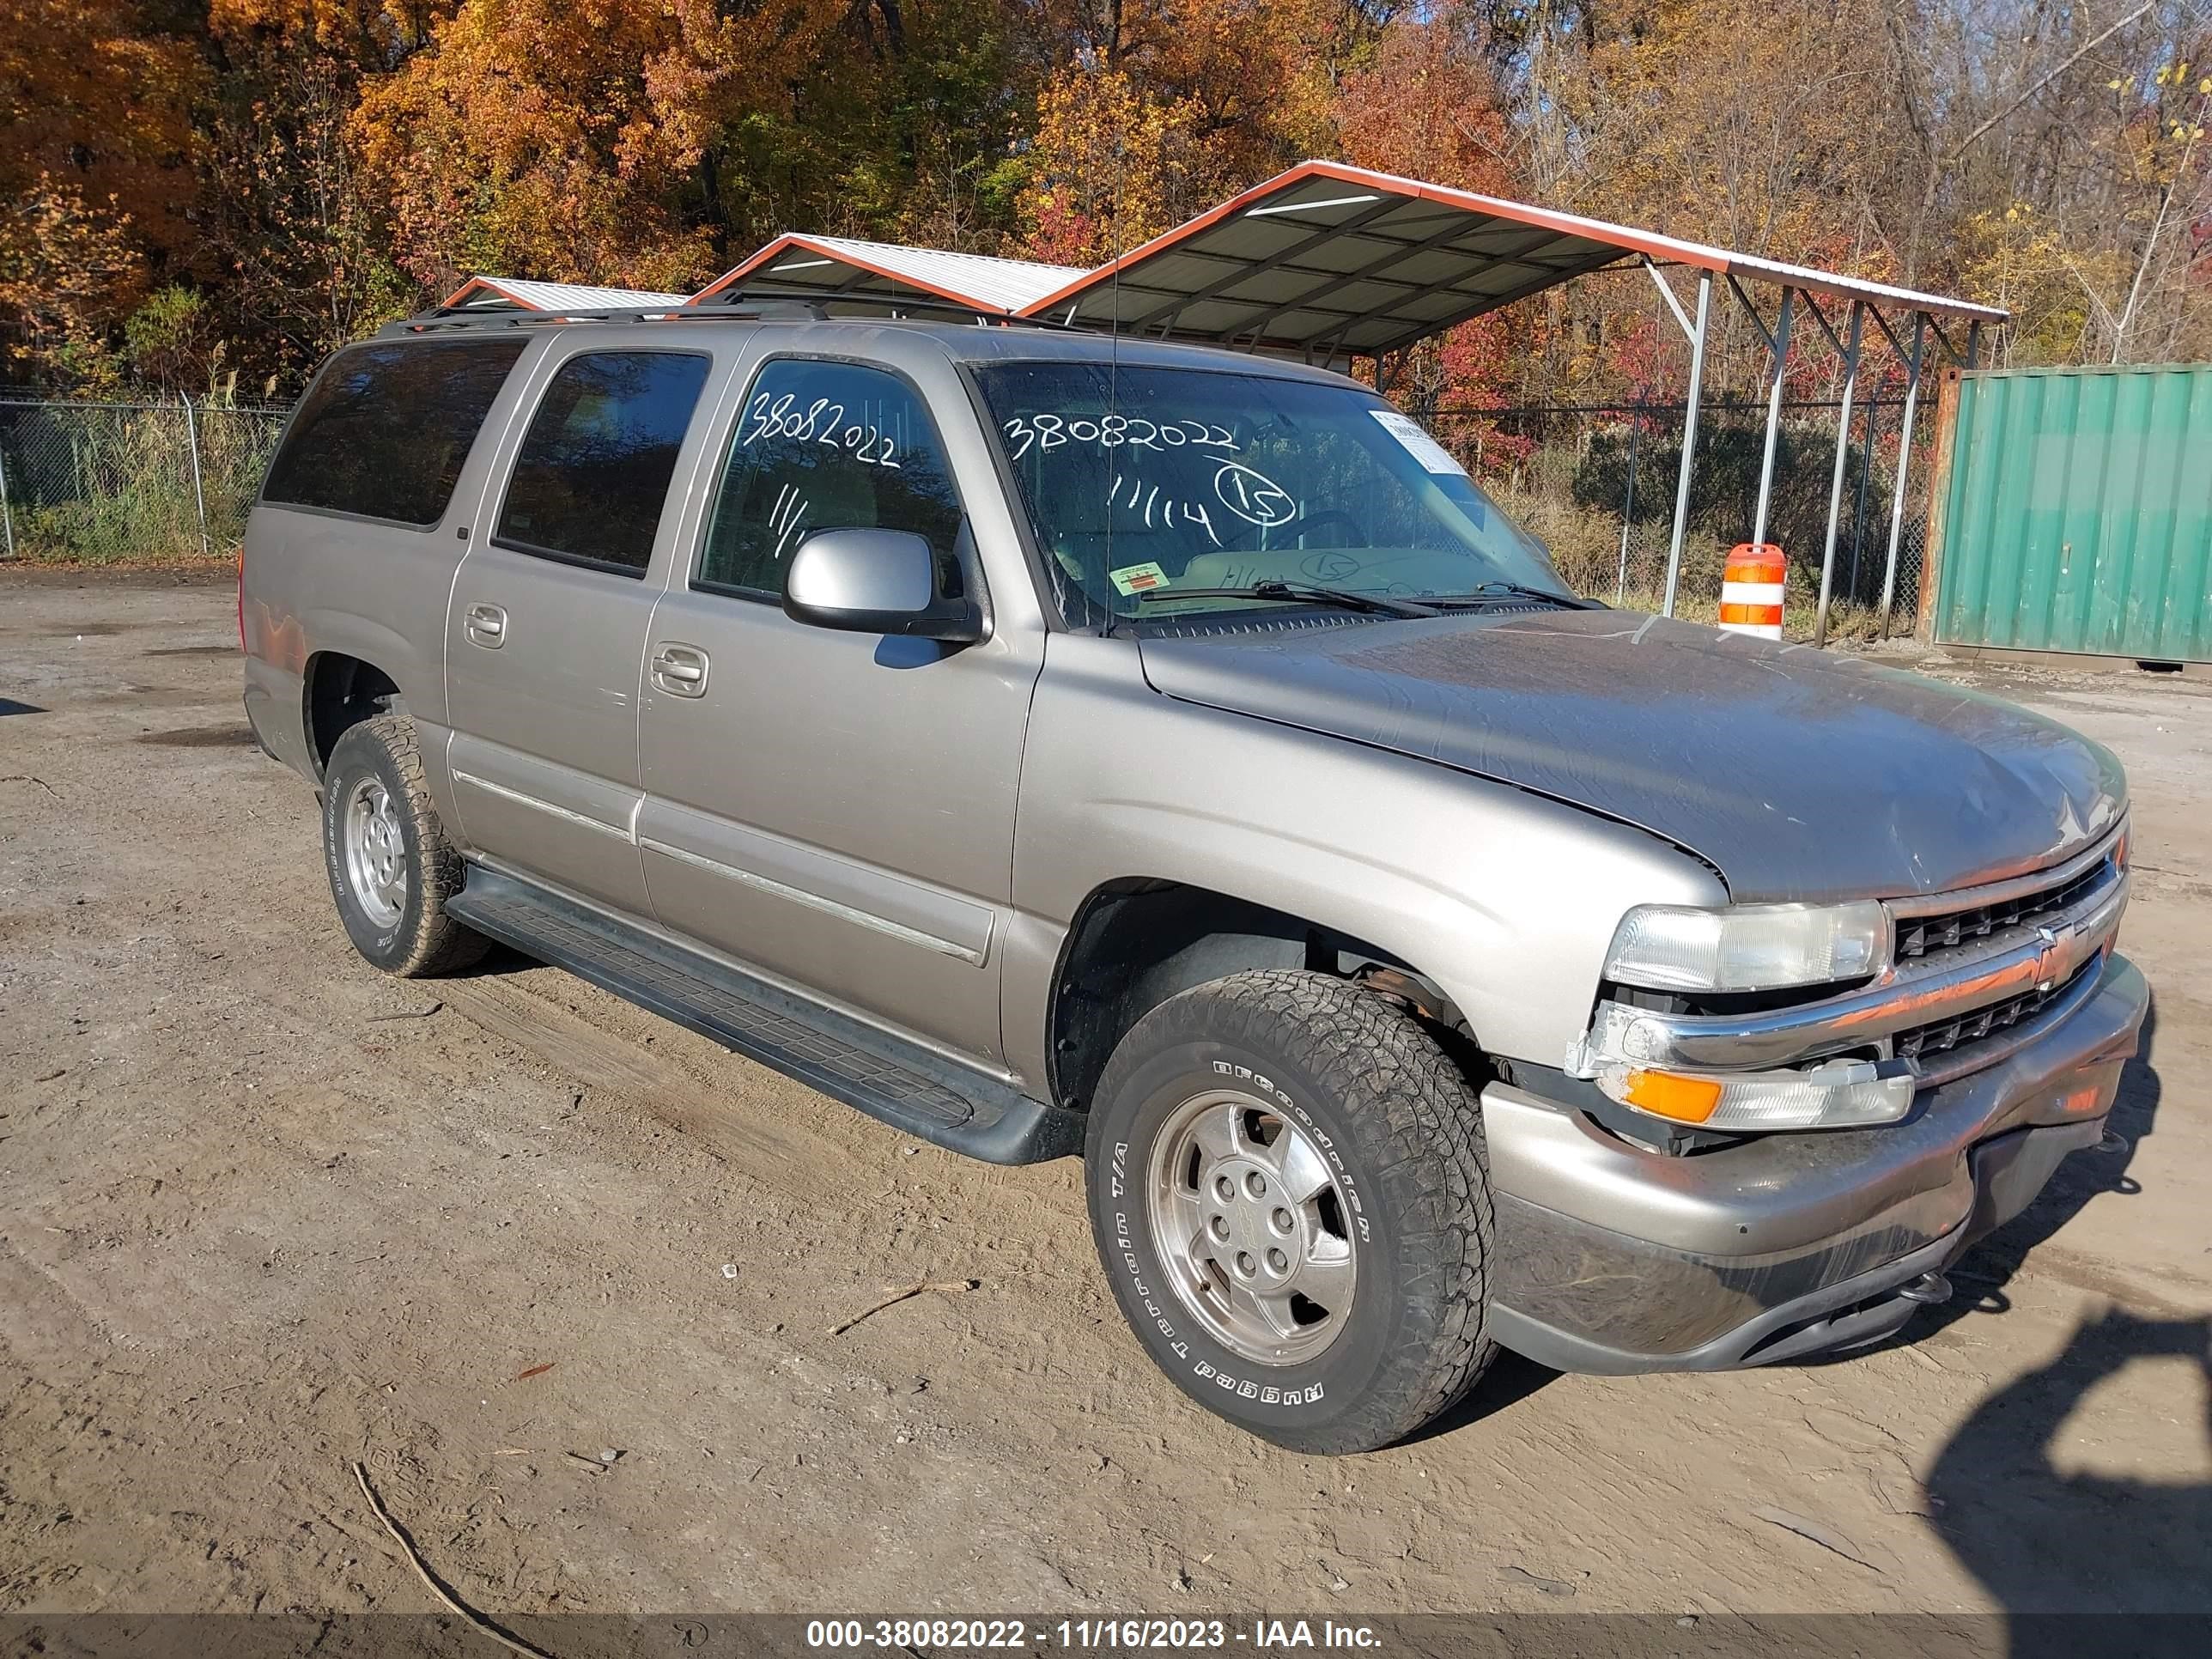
680, 669
486, 625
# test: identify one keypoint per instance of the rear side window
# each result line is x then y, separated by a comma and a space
386, 428
593, 472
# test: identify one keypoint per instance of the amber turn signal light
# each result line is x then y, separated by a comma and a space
1685, 1099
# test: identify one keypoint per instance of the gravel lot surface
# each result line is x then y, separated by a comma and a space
264, 1213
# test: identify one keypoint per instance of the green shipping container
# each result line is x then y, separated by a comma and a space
2071, 510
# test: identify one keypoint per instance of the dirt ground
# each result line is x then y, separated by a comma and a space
264, 1213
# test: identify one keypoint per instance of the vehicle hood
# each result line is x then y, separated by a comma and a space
1797, 773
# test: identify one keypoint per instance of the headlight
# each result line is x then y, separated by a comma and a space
1837, 1094
1747, 947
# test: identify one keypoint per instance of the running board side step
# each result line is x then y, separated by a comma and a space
898, 1082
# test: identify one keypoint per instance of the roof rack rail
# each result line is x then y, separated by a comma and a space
733, 305
471, 319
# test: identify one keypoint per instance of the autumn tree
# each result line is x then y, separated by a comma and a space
1162, 107
1110, 169
70, 271
303, 247
1422, 100
95, 176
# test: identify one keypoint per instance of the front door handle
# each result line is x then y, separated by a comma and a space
486, 625
680, 669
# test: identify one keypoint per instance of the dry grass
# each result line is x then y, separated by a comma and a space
1846, 621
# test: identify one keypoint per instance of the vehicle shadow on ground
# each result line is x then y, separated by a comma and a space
498, 961
1510, 1380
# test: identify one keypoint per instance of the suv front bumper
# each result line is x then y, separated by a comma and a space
1614, 1259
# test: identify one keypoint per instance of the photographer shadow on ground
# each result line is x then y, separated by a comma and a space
1980, 1276
2044, 1542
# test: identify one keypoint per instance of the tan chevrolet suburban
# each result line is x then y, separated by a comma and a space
1048, 744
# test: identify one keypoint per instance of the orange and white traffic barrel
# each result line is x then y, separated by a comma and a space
1750, 590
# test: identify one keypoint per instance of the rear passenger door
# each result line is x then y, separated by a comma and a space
547, 627
837, 808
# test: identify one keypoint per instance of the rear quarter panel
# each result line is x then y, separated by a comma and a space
313, 582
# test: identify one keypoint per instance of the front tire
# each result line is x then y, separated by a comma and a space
391, 866
1290, 1195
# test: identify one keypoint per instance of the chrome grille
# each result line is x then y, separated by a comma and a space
1920, 936
1941, 1036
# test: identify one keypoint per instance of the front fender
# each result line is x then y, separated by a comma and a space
1507, 900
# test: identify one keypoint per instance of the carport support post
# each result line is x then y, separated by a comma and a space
1904, 463
1689, 437
1866, 470
7, 513
1836, 480
1628, 503
199, 494
1773, 417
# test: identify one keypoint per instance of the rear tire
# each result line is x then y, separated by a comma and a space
1290, 1195
391, 867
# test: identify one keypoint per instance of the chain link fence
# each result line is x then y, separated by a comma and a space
106, 482
1595, 483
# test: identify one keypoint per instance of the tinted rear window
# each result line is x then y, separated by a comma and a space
595, 465
386, 428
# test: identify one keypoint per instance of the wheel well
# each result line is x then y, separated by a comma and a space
342, 691
1136, 943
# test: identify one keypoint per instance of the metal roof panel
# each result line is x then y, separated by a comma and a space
532, 295
1409, 256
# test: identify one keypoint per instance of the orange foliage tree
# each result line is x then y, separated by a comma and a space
95, 175
1110, 169
1162, 108
1423, 101
538, 136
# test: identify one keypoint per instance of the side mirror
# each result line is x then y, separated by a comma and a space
874, 581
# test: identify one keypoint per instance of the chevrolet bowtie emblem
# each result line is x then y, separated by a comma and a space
2046, 959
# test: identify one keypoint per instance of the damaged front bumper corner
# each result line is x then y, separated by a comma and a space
1615, 1260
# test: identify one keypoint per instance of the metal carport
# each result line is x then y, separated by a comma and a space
1332, 263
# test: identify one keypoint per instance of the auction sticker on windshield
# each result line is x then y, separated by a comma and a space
1432, 455
1137, 578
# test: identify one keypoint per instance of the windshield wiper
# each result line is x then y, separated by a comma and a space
1492, 590
1296, 594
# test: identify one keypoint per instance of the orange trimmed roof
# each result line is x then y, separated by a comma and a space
494, 293
838, 267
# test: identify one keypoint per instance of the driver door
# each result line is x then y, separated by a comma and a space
835, 810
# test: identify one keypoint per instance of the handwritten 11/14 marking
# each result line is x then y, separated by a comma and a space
1251, 495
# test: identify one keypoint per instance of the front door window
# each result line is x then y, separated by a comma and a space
827, 446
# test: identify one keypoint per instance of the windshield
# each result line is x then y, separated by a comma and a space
1148, 480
